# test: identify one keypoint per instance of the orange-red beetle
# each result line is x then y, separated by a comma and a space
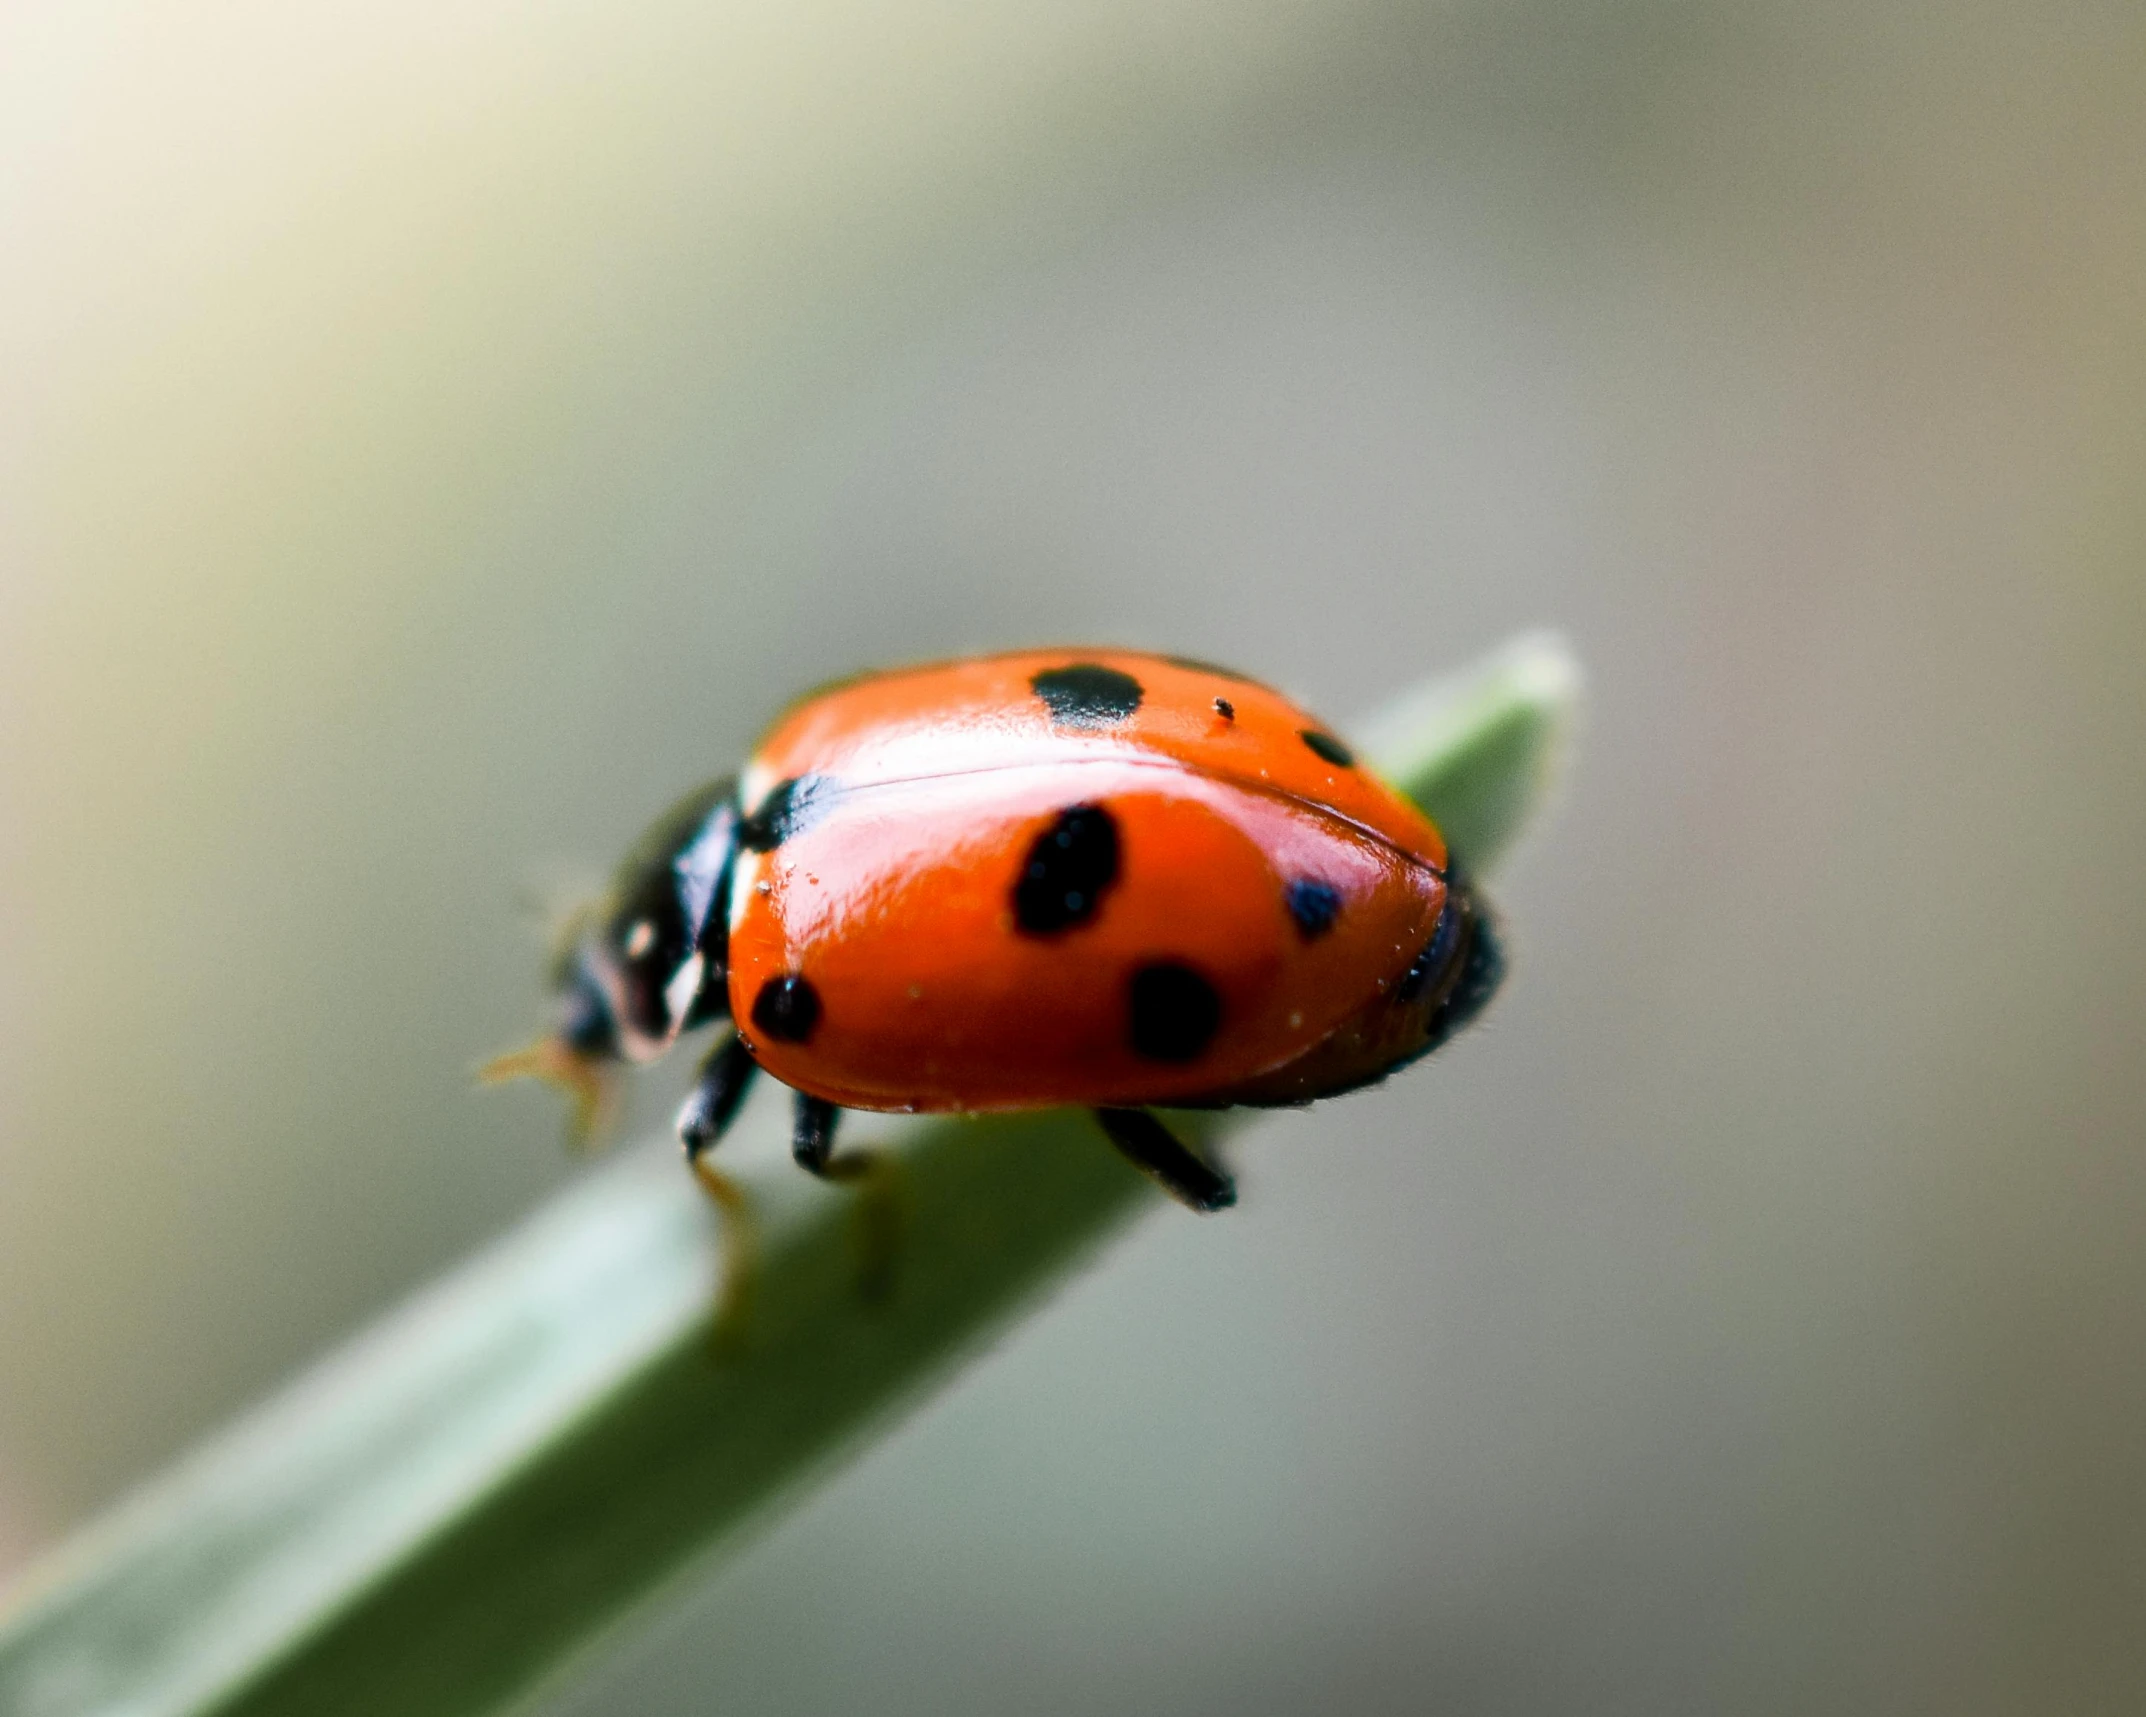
1050, 877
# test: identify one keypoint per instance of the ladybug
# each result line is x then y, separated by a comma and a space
1017, 881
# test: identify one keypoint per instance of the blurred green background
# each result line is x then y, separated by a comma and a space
432, 436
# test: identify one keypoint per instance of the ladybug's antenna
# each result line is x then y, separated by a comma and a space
588, 1082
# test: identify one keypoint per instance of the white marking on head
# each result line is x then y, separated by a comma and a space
678, 994
753, 783
745, 885
640, 939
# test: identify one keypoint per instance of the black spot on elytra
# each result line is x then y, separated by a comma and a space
1174, 1012
787, 1009
1068, 867
1313, 904
1087, 694
1225, 709
1328, 747
791, 806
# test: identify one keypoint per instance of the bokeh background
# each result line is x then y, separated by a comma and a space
432, 436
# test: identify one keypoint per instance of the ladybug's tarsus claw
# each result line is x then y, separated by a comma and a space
1160, 1154
740, 1258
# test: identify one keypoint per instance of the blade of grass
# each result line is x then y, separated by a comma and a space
448, 1511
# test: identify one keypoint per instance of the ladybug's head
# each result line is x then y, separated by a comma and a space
633, 969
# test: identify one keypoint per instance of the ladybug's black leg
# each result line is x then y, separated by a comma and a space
813, 1143
725, 1077
1157, 1152
873, 1172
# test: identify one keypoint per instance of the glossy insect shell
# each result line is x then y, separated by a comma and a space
1044, 878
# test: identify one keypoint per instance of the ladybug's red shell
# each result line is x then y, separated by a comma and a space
1105, 879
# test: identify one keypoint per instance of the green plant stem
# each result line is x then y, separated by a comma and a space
446, 1513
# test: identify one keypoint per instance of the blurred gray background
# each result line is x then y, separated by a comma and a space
434, 437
